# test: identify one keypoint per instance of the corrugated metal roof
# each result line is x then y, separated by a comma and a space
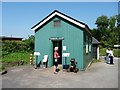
6, 37
95, 41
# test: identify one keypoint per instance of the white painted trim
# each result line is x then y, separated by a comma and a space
56, 13
77, 23
44, 21
116, 45
98, 54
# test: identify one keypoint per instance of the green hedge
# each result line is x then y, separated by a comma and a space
116, 52
10, 47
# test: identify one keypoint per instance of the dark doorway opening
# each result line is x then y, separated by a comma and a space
59, 45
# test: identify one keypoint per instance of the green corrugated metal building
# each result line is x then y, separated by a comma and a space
70, 35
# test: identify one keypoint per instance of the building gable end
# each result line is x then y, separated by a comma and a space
61, 15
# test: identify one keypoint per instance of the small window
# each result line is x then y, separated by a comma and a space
90, 48
90, 44
56, 23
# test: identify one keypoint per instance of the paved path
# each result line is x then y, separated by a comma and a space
98, 75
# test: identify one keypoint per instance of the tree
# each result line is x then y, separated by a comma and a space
112, 22
107, 32
96, 33
118, 20
102, 22
30, 42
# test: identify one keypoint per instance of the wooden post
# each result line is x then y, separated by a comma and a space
31, 59
98, 53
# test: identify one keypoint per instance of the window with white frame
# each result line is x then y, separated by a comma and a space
87, 44
90, 45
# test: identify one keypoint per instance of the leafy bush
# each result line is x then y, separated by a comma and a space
26, 45
102, 51
10, 47
116, 52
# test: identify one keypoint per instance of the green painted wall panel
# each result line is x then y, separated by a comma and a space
74, 42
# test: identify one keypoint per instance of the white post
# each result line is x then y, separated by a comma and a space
97, 52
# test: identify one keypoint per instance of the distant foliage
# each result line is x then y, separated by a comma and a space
24, 46
107, 31
30, 43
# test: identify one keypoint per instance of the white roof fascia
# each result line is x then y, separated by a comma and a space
44, 21
73, 21
56, 13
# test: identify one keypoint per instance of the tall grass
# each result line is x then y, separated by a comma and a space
17, 56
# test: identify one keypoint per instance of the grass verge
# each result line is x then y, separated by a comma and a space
95, 61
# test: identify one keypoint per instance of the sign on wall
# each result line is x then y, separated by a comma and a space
64, 48
66, 54
36, 53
